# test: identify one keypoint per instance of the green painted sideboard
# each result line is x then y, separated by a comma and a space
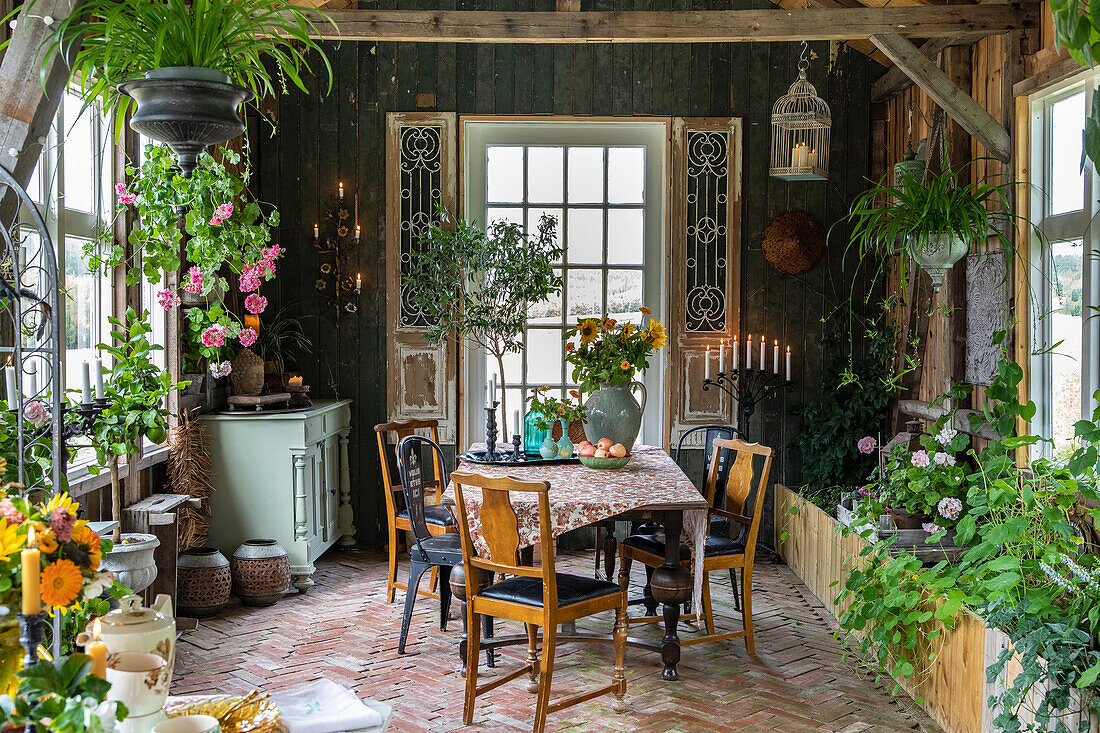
284, 476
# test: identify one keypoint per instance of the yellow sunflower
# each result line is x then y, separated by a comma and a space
628, 328
60, 501
3, 466
589, 330
44, 538
11, 541
90, 542
61, 583
657, 335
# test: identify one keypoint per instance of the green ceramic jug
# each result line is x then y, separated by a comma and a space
614, 413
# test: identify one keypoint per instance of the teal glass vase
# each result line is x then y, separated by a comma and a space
533, 437
565, 446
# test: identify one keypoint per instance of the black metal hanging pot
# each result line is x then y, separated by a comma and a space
188, 108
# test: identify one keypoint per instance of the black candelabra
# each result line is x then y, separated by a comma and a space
748, 388
491, 453
337, 253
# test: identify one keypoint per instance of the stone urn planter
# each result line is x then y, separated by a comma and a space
132, 561
261, 572
188, 108
614, 413
203, 582
939, 254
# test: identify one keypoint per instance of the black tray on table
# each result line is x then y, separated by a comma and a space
504, 458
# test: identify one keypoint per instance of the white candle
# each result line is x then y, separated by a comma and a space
341, 190
761, 353
316, 232
515, 422
812, 160
775, 357
735, 354
492, 389
32, 379
706, 364
722, 356
788, 362
748, 351
794, 155
99, 379
12, 393
85, 383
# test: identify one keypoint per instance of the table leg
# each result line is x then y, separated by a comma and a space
671, 584
610, 550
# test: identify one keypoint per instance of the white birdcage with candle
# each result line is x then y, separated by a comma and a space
801, 125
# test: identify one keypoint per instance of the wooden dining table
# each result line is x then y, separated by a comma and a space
651, 487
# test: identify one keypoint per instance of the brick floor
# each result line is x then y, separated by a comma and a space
344, 630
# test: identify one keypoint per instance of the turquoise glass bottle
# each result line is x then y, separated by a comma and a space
532, 436
565, 446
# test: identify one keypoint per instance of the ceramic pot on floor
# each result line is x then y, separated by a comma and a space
203, 582
261, 572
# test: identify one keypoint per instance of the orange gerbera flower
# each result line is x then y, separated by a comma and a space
625, 364
45, 538
574, 394
89, 541
569, 346
61, 583
645, 310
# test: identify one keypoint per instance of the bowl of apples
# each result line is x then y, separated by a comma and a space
603, 454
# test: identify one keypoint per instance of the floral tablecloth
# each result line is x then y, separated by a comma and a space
581, 496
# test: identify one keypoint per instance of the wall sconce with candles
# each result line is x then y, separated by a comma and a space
338, 256
750, 383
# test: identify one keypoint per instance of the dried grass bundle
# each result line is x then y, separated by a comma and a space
189, 467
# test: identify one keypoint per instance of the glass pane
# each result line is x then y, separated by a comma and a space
544, 356
500, 213
1067, 182
1065, 326
544, 175
586, 175
81, 312
584, 290
504, 174
625, 175
34, 187
584, 236
513, 367
625, 236
624, 294
77, 153
535, 213
548, 311
157, 320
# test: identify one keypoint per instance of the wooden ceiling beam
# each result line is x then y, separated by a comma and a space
970, 115
895, 81
683, 26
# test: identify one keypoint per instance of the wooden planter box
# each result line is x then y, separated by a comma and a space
954, 690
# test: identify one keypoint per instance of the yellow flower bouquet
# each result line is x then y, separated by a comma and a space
605, 352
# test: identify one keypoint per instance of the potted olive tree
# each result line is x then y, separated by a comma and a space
135, 392
477, 283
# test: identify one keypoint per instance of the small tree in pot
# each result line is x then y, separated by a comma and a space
478, 283
135, 392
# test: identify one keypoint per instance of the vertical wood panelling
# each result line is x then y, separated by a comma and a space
323, 139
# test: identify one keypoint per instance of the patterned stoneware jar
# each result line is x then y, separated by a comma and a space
261, 572
203, 582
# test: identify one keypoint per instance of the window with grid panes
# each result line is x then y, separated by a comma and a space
603, 186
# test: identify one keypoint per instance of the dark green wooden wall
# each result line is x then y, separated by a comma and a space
323, 139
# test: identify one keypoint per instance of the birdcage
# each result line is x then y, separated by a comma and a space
801, 124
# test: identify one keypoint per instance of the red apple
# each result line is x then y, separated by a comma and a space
600, 453
587, 451
583, 444
618, 451
605, 443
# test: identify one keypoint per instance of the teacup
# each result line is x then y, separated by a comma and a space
139, 680
189, 724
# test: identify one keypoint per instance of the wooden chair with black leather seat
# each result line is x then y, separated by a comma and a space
438, 518
534, 596
720, 553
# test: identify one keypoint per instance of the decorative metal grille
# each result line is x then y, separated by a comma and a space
421, 161
707, 239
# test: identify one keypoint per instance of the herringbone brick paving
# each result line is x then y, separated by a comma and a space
343, 629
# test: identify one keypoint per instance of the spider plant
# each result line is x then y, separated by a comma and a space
120, 40
909, 215
283, 334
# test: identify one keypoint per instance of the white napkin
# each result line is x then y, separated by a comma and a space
323, 707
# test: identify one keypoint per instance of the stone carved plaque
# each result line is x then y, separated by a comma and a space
986, 313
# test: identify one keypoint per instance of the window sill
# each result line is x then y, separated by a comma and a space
82, 481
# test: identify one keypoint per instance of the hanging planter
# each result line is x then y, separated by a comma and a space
188, 108
801, 128
937, 254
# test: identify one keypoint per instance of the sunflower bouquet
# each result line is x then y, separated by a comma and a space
607, 353
550, 409
69, 550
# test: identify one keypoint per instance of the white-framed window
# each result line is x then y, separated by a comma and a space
605, 182
1064, 280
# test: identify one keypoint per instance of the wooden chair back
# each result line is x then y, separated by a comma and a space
738, 486
500, 530
713, 432
391, 482
410, 462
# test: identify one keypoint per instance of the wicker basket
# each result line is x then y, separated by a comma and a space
793, 242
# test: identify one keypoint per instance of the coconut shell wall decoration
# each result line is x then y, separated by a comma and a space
793, 242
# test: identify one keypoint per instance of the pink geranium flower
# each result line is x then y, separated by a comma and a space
194, 280
10, 513
866, 445
223, 212
168, 299
125, 197
270, 253
249, 280
247, 336
931, 527
920, 459
255, 303
214, 336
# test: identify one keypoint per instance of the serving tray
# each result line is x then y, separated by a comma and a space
504, 458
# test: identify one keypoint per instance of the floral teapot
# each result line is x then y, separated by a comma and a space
132, 627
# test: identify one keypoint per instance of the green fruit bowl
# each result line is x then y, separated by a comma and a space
607, 464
